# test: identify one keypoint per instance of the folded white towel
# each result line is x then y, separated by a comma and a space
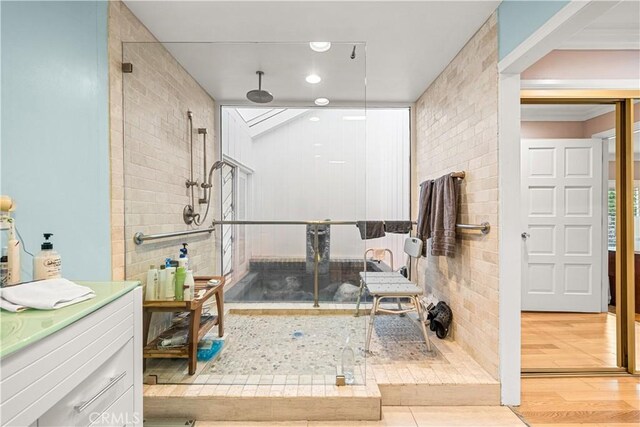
48, 294
6, 305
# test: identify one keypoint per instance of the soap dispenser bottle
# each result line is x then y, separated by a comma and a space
47, 263
183, 260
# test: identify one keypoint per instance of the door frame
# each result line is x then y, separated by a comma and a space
625, 275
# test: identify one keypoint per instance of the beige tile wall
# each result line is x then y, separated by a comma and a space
150, 160
457, 129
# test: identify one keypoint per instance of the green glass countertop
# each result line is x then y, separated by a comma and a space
18, 330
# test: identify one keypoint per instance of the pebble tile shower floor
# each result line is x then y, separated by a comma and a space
270, 348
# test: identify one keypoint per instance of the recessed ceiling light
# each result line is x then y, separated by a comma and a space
337, 162
354, 118
313, 79
320, 46
314, 119
317, 145
322, 101
317, 156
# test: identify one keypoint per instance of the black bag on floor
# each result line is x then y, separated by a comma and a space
440, 318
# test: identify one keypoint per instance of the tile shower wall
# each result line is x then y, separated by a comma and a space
150, 161
457, 129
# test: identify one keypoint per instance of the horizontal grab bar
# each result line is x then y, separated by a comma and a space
140, 238
485, 227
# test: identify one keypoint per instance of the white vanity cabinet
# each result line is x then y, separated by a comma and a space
87, 373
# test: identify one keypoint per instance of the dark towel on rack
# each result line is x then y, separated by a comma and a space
444, 203
398, 227
370, 229
423, 230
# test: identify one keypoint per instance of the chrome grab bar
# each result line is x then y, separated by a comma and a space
139, 238
113, 381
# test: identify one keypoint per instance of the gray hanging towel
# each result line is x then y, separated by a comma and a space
423, 230
444, 203
370, 229
398, 227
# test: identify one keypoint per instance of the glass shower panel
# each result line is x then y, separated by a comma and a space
287, 184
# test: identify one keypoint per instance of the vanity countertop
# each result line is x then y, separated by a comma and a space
18, 330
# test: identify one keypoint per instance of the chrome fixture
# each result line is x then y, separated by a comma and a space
205, 185
189, 214
139, 238
259, 96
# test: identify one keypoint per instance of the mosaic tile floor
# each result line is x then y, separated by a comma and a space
281, 345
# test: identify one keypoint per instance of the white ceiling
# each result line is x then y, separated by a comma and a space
407, 45
618, 28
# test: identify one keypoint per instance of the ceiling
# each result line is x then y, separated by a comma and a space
618, 28
408, 44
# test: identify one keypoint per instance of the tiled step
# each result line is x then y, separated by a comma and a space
440, 394
263, 402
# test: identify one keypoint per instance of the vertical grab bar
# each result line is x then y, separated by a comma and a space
316, 262
205, 185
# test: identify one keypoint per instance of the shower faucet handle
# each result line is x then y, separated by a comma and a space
190, 183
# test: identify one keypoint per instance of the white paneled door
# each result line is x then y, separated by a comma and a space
562, 208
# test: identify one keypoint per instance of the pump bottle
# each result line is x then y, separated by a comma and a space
47, 263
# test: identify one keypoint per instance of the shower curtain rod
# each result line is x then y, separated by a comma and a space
140, 238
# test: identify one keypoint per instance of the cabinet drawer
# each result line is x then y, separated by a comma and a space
35, 378
121, 413
99, 391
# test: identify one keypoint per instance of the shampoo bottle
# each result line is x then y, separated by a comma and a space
189, 286
151, 293
181, 275
162, 283
13, 257
170, 284
47, 263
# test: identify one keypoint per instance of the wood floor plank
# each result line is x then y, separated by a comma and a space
597, 401
569, 340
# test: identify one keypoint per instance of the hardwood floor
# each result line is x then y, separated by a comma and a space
591, 401
568, 340
571, 340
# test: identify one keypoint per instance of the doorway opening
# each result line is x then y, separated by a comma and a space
579, 206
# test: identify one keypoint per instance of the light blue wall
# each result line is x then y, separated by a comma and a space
517, 20
55, 137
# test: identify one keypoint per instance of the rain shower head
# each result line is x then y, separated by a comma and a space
259, 96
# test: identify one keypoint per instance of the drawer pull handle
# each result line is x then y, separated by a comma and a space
112, 382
